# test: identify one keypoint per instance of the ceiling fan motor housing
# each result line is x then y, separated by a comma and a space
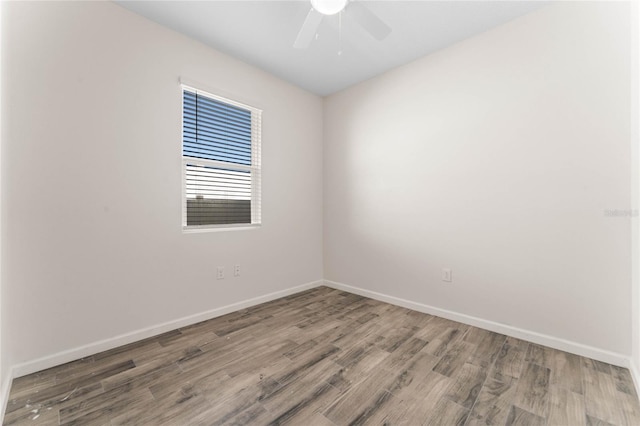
328, 7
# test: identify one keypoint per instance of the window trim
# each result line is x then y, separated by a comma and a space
255, 168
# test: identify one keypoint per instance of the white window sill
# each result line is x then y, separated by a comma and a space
196, 229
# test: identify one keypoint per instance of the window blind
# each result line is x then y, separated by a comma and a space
221, 158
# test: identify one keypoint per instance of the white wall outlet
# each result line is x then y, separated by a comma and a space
236, 271
446, 275
220, 274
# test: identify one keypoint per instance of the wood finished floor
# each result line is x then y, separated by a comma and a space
326, 357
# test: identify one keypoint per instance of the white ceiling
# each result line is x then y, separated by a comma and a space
262, 33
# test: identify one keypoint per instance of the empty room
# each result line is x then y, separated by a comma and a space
319, 212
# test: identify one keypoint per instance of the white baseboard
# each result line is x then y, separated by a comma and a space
635, 373
4, 392
124, 339
530, 336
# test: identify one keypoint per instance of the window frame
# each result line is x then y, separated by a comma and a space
255, 169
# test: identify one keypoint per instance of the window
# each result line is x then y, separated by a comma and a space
221, 161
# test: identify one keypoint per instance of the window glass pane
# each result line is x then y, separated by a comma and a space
214, 130
217, 196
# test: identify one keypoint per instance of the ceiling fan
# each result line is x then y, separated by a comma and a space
356, 10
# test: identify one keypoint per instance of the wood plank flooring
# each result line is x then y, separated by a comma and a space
326, 357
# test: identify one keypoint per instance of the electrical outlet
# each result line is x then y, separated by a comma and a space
236, 271
446, 275
220, 274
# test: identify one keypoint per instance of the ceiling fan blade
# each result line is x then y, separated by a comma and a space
368, 20
308, 30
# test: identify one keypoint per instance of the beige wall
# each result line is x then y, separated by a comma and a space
91, 180
497, 158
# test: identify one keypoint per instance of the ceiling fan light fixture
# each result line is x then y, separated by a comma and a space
328, 7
